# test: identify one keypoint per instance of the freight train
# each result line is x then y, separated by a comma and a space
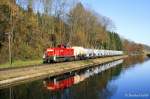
64, 53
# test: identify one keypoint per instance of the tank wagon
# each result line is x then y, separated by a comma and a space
64, 53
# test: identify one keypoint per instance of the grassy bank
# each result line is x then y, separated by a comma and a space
21, 63
22, 75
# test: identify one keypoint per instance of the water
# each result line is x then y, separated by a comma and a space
125, 79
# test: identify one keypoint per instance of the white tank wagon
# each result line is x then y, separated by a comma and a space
102, 52
89, 53
84, 53
79, 52
97, 53
112, 52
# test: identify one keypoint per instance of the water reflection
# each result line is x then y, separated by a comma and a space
138, 59
133, 82
85, 84
57, 83
92, 83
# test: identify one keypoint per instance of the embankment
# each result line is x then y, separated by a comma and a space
16, 76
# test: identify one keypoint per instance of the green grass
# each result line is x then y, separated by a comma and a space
21, 63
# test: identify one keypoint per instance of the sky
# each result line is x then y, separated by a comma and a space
131, 17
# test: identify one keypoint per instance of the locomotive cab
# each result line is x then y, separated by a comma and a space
56, 54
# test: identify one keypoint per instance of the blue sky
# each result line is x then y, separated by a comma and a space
131, 17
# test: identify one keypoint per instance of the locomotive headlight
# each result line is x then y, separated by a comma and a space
50, 50
44, 56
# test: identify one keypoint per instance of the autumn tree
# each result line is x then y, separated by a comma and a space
35, 25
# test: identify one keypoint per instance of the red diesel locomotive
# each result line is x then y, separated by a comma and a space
57, 54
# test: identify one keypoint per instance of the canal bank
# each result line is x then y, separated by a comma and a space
21, 75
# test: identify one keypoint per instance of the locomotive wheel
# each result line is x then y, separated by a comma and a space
45, 61
50, 61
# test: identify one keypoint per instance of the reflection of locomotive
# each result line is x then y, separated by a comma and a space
63, 53
60, 85
65, 81
56, 84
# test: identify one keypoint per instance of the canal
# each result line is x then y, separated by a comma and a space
121, 79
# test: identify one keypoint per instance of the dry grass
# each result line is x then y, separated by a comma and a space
20, 63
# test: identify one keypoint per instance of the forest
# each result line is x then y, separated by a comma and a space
31, 26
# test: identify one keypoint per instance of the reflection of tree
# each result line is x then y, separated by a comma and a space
133, 60
33, 90
106, 91
4, 94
